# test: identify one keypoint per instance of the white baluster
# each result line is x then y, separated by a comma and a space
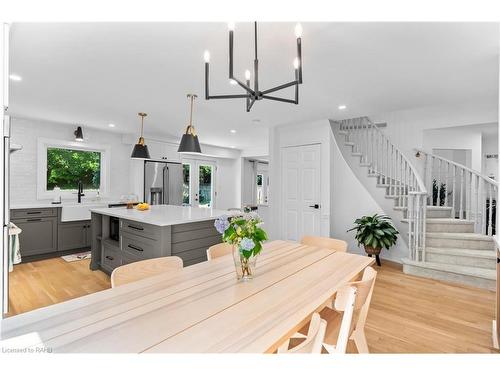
453, 192
461, 213
490, 210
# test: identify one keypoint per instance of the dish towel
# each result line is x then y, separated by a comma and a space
14, 253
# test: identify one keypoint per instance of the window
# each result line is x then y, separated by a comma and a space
65, 163
262, 186
67, 167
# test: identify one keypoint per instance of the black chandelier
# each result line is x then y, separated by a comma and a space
252, 95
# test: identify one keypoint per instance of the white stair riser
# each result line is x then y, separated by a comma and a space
449, 276
438, 214
459, 243
450, 228
468, 261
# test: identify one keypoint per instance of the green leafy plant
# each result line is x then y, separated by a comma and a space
375, 231
442, 193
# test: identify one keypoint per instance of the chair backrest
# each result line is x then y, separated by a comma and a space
315, 336
364, 291
219, 250
325, 242
143, 269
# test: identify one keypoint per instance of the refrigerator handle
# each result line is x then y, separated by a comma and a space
165, 185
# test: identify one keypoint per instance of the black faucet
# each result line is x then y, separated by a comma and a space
80, 192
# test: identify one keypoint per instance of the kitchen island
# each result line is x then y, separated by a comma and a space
163, 230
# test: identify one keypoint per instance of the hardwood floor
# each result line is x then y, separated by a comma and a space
42, 283
408, 314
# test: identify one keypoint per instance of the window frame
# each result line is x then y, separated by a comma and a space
43, 144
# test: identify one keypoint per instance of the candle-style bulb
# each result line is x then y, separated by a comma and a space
298, 30
296, 63
233, 82
206, 56
247, 75
230, 26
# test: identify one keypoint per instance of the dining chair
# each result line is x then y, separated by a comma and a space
219, 250
325, 242
313, 342
333, 313
143, 269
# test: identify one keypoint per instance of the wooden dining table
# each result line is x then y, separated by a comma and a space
202, 308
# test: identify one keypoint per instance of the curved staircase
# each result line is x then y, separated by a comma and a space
448, 229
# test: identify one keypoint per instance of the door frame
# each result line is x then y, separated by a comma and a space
194, 178
282, 226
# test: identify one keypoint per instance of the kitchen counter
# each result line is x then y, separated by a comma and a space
162, 215
49, 204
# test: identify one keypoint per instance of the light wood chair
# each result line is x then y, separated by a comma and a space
143, 269
325, 242
219, 250
333, 314
313, 342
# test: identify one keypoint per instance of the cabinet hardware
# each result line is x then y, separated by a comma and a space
315, 206
134, 227
34, 212
33, 219
137, 248
109, 258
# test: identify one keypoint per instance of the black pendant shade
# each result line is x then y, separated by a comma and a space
79, 134
140, 150
189, 141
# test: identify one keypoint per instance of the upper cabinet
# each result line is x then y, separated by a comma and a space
163, 150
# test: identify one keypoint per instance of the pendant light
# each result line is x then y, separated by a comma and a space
189, 140
78, 134
140, 149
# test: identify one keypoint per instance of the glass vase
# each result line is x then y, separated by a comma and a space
245, 267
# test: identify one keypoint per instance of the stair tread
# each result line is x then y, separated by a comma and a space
438, 208
349, 143
462, 252
458, 235
356, 154
446, 220
483, 273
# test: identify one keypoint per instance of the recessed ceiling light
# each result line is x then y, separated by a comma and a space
111, 125
342, 107
232, 131
256, 120
233, 82
15, 77
232, 146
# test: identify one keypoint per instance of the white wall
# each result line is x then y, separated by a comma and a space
23, 176
490, 147
316, 132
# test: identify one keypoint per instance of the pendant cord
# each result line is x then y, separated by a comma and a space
255, 36
142, 126
191, 113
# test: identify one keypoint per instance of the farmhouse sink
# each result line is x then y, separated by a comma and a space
79, 211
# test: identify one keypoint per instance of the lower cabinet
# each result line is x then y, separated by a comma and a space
38, 236
74, 235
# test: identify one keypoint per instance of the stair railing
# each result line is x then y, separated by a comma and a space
470, 194
402, 180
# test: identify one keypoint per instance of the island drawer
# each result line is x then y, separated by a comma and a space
111, 257
26, 213
140, 247
141, 229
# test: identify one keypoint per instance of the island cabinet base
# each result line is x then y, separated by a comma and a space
139, 241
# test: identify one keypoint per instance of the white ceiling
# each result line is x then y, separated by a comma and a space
100, 73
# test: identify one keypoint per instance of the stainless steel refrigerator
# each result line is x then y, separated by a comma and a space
163, 182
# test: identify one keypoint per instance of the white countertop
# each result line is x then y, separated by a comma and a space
163, 215
48, 204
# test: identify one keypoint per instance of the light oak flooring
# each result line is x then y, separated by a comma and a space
408, 314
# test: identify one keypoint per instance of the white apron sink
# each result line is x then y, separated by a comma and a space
79, 211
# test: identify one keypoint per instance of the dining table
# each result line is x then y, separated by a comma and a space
202, 308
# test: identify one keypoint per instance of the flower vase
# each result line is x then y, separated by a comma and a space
245, 267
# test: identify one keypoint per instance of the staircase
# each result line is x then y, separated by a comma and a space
442, 217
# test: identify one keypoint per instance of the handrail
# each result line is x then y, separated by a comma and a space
484, 177
469, 194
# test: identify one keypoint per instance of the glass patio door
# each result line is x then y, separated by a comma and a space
199, 183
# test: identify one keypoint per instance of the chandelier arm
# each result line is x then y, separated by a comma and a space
280, 87
236, 96
292, 101
245, 87
250, 105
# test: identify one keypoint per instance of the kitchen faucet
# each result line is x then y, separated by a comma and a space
80, 192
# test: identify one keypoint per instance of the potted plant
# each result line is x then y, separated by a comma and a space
374, 233
244, 232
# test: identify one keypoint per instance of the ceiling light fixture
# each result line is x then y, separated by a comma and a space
254, 94
15, 77
111, 125
341, 107
189, 141
140, 150
232, 131
78, 134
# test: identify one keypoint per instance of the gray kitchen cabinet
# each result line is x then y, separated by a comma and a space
73, 235
38, 236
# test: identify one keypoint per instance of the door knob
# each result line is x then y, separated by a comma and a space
315, 206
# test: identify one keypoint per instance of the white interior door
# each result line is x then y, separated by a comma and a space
199, 183
301, 191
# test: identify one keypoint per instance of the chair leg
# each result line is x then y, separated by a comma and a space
360, 341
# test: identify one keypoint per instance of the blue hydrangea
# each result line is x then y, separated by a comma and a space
247, 243
221, 224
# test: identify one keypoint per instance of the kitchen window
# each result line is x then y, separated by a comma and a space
65, 163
